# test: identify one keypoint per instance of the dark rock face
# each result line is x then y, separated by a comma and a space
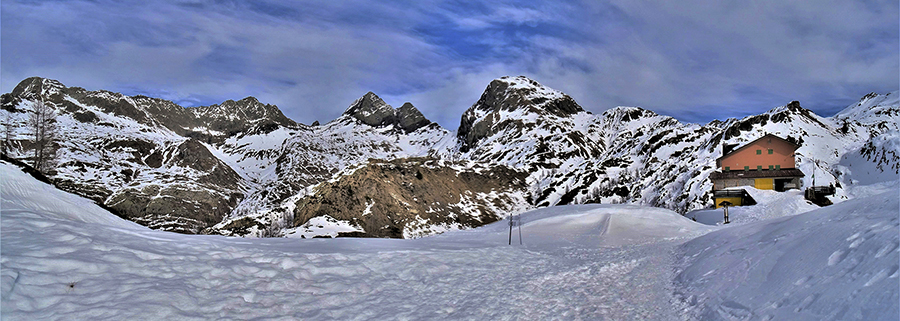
176, 208
33, 87
192, 154
181, 205
372, 111
86, 117
411, 119
402, 195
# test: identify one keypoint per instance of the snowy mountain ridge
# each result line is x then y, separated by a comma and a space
243, 168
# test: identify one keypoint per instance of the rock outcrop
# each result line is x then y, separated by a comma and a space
371, 110
511, 95
416, 197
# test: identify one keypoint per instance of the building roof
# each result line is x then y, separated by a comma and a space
753, 141
775, 173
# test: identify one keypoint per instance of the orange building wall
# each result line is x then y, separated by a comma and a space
782, 154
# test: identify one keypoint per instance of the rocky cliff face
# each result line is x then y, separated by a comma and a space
243, 168
415, 197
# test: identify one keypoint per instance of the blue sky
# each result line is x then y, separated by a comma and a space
694, 60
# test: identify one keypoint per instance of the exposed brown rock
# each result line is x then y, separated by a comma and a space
405, 195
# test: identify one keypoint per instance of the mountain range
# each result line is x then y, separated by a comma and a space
242, 168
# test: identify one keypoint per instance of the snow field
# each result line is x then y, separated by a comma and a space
834, 263
770, 204
588, 262
77, 262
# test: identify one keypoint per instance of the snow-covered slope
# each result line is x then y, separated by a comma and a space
58, 266
834, 263
657, 161
19, 194
581, 262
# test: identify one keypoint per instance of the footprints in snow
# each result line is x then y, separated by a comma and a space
859, 238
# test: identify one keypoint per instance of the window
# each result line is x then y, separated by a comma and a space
727, 168
759, 152
777, 167
759, 167
770, 151
746, 168
771, 167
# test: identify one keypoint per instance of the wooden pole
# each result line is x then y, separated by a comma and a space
520, 232
510, 229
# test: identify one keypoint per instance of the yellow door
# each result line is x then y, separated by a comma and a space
765, 183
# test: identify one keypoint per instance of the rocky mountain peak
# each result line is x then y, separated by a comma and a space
626, 114
232, 116
791, 112
514, 97
31, 87
411, 119
249, 100
792, 107
512, 93
249, 108
373, 111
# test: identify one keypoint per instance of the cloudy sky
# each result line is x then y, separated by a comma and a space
695, 60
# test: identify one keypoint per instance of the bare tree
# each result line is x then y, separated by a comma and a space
7, 132
42, 124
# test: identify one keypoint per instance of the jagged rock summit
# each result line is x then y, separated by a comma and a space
508, 100
512, 93
232, 116
373, 111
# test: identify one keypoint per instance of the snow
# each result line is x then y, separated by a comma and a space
75, 261
533, 88
833, 263
19, 194
322, 226
857, 168
770, 204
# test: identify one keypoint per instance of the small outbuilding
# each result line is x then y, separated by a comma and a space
765, 163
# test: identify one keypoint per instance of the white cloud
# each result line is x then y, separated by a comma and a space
313, 59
